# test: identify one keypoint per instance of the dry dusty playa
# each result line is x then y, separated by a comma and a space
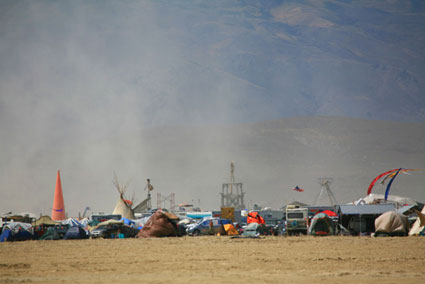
216, 260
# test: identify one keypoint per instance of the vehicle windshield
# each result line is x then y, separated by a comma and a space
295, 215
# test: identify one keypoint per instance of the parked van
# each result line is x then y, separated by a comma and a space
296, 220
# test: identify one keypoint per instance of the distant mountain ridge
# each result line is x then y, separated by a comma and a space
216, 61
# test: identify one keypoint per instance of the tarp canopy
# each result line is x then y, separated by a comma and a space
107, 222
367, 209
392, 224
71, 222
160, 224
15, 227
127, 222
44, 221
84, 222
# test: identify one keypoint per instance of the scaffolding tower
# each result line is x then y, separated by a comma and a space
325, 190
232, 194
161, 201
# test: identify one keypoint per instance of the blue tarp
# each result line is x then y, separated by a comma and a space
5, 235
127, 222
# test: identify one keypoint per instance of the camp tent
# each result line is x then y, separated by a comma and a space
84, 222
419, 226
330, 213
16, 231
41, 225
321, 225
124, 209
123, 206
230, 230
75, 233
391, 223
254, 217
71, 222
51, 234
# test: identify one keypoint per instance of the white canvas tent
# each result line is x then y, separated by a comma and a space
391, 223
419, 224
122, 208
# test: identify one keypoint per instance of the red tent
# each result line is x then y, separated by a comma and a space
254, 217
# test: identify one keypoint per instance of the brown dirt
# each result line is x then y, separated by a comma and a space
216, 260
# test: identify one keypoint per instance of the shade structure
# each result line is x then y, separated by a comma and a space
58, 209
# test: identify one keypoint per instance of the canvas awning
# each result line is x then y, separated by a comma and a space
44, 220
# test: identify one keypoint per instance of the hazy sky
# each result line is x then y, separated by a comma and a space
83, 83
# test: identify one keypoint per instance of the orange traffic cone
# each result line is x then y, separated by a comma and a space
58, 210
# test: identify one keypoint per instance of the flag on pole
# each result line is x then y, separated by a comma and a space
297, 188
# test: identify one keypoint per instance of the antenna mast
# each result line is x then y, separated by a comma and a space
325, 190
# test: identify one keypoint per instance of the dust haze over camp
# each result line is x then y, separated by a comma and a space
174, 91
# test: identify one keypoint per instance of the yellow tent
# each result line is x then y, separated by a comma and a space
230, 230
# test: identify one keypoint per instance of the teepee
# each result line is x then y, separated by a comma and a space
123, 207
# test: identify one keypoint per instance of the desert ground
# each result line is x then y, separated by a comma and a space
215, 259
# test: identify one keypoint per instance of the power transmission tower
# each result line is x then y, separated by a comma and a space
325, 190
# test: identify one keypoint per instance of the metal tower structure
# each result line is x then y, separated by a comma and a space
232, 194
161, 200
325, 190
